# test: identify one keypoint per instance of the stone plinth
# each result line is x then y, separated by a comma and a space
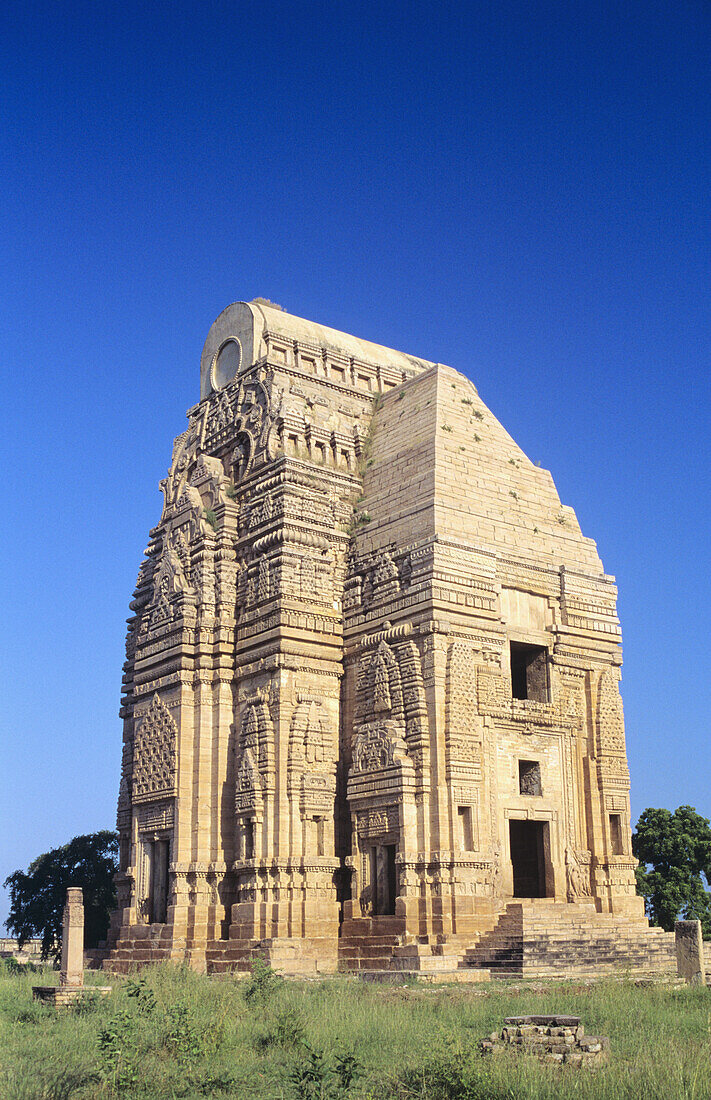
690, 951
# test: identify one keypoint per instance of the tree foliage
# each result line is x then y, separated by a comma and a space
37, 896
674, 850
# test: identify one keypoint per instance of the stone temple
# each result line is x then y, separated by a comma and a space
371, 706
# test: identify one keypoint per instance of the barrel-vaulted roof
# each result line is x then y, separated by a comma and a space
247, 325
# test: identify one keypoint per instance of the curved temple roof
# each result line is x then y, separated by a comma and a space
245, 323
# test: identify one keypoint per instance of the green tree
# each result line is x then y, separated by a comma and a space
674, 850
37, 896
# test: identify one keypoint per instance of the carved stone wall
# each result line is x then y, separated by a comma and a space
318, 667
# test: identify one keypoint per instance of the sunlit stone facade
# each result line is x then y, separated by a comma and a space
372, 671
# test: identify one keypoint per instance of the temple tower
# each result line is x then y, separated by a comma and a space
372, 667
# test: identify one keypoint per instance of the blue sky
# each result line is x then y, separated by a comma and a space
520, 190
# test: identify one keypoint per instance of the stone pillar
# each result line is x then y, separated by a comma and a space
72, 972
690, 952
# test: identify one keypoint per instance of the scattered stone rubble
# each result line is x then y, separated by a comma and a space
551, 1038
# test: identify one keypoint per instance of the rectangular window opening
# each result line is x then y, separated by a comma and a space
529, 777
616, 834
529, 672
466, 831
249, 840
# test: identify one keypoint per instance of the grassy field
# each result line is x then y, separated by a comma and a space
168, 1033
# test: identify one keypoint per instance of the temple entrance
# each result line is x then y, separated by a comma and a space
383, 879
158, 853
527, 840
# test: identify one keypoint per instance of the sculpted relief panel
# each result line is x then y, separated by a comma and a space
155, 750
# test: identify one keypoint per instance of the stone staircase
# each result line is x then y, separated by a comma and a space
540, 938
139, 945
368, 943
287, 956
553, 939
376, 949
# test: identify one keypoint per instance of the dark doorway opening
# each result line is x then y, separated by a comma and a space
383, 879
529, 672
527, 840
158, 887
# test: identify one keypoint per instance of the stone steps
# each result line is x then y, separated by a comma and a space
140, 945
552, 940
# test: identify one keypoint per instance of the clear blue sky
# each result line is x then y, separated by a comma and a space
520, 190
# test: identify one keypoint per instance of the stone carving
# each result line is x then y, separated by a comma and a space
257, 734
610, 724
248, 787
263, 582
377, 746
577, 866
373, 749
154, 766
381, 686
330, 603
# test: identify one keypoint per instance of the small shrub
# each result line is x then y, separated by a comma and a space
308, 1079
476, 438
478, 415
288, 1031
85, 1004
263, 984
232, 492
454, 1075
12, 966
210, 517
513, 493
467, 401
347, 1070
144, 996
117, 1044
446, 427
184, 1038
315, 1078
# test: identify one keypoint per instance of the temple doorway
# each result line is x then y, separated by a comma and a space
158, 854
383, 879
527, 841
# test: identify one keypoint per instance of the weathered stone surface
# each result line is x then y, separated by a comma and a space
72, 972
554, 1039
690, 951
71, 975
371, 679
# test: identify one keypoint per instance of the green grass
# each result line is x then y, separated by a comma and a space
168, 1033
